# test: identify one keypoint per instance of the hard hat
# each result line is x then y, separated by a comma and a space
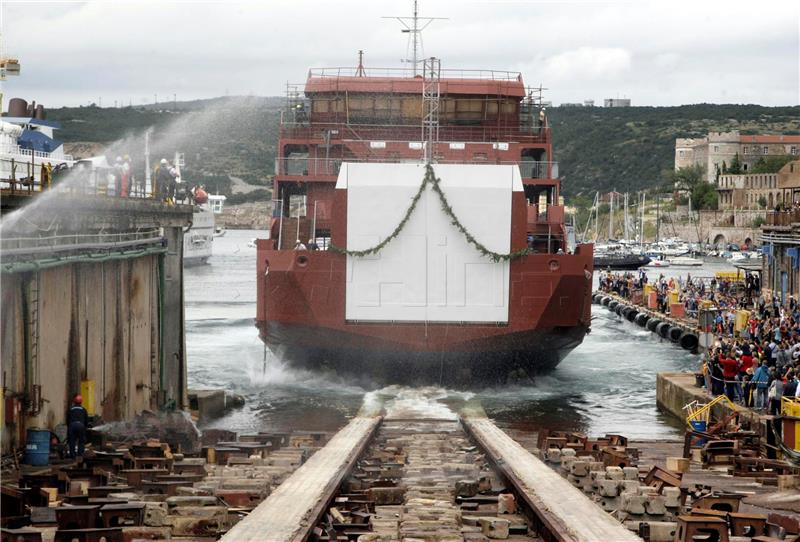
78, 399
126, 157
163, 161
297, 242
118, 159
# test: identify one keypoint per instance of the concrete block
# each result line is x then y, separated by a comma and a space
495, 528
506, 504
655, 506
633, 504
629, 486
678, 464
195, 500
597, 476
568, 452
484, 484
660, 531
194, 526
155, 514
608, 488
553, 455
201, 512
631, 473
129, 534
596, 466
609, 504
648, 490
615, 473
567, 461
672, 497
579, 468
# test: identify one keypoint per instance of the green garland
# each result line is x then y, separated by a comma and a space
430, 177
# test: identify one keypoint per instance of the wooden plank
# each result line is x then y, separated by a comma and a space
290, 511
569, 512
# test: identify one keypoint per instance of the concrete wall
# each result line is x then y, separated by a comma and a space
82, 321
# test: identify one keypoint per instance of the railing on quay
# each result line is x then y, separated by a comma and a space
331, 166
13, 246
412, 132
19, 178
783, 218
448, 73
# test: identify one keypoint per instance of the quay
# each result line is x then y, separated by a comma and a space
92, 303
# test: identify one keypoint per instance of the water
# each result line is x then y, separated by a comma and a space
605, 385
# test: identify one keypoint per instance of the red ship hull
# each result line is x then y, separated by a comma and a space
302, 320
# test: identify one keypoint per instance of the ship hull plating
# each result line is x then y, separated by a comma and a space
496, 359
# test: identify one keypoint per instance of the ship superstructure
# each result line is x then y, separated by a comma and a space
435, 203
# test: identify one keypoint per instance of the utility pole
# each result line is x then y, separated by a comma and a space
413, 28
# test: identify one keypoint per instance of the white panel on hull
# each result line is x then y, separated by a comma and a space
429, 272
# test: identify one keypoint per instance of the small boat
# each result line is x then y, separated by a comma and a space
658, 263
685, 261
620, 260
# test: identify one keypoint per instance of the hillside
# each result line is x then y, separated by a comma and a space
597, 148
626, 149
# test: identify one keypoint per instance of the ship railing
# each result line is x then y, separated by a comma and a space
16, 246
22, 154
413, 132
304, 166
448, 73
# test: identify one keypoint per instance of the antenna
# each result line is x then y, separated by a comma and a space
413, 28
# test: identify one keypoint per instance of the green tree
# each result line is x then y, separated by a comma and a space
687, 177
704, 196
772, 164
762, 202
736, 165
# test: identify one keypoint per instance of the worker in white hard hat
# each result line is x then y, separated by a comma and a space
299, 245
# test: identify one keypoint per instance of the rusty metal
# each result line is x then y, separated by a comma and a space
20, 535
116, 515
747, 524
77, 517
113, 534
726, 502
692, 528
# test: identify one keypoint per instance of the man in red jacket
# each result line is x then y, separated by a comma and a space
729, 371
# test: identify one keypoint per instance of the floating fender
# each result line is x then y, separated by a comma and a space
689, 340
663, 329
631, 314
605, 301
641, 319
613, 304
675, 334
619, 308
595, 299
652, 323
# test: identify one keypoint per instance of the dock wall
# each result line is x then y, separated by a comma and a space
99, 314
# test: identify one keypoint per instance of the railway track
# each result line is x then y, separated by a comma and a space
382, 479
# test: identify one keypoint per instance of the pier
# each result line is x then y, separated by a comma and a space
92, 303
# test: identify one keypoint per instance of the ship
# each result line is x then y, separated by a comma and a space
418, 232
198, 238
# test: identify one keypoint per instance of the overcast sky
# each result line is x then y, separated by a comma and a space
656, 53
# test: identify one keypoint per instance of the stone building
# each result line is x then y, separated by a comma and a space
720, 147
746, 191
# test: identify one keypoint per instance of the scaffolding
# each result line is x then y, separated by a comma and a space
431, 72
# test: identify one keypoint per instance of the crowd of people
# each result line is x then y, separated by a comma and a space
755, 361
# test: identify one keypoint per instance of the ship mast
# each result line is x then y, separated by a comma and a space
414, 27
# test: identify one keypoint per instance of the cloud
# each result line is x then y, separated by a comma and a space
588, 63
658, 53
